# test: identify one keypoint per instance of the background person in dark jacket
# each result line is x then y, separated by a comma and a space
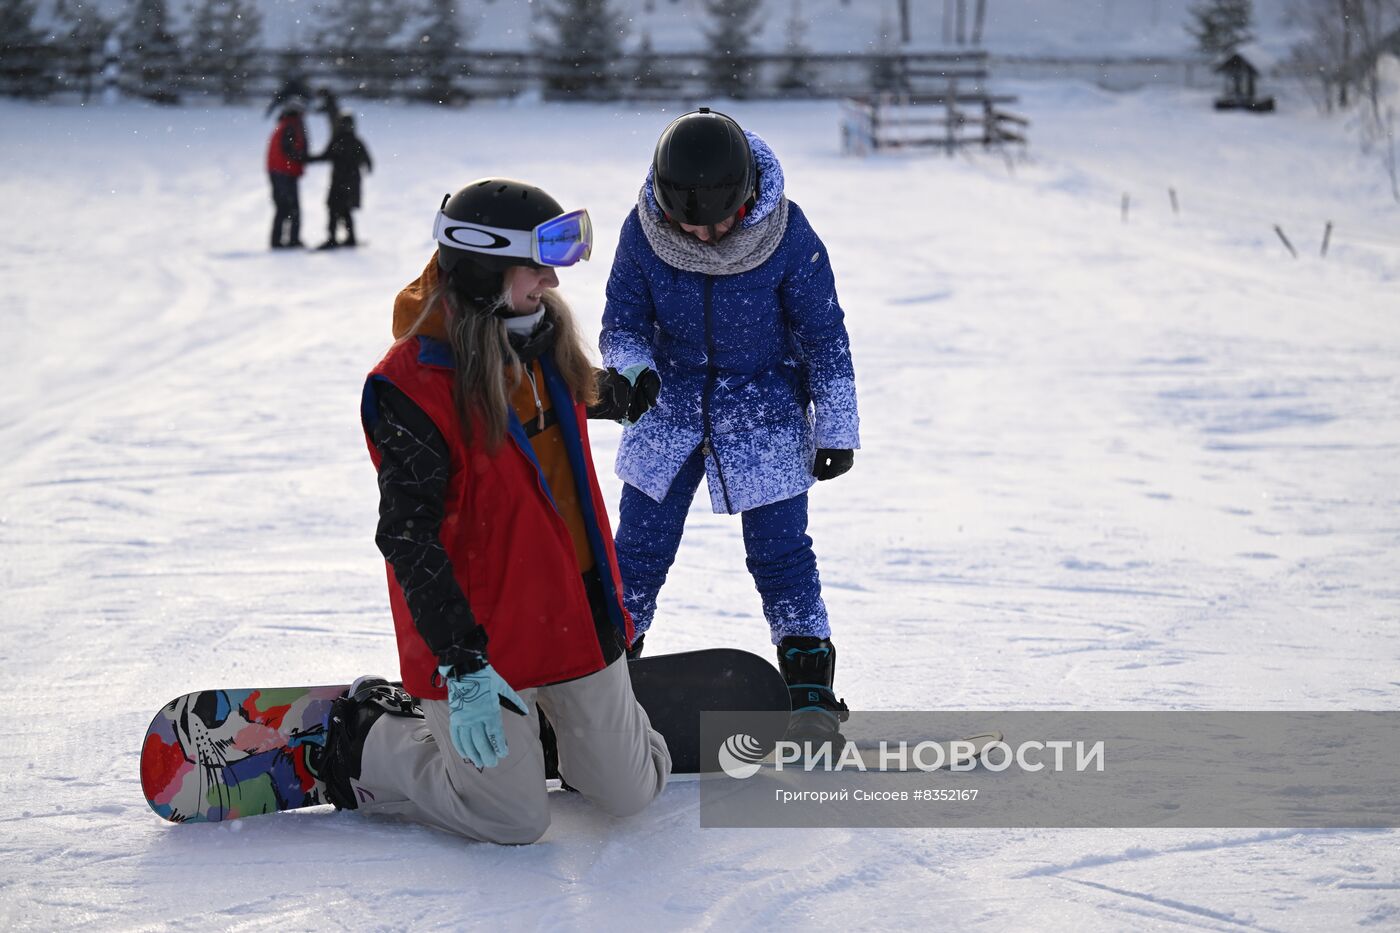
286, 155
347, 154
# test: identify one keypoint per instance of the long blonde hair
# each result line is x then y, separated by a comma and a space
488, 370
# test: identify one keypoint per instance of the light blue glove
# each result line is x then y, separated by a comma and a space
476, 699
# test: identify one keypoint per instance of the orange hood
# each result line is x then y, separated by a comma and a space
408, 306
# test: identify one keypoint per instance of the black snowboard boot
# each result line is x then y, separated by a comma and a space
549, 743
351, 718
809, 667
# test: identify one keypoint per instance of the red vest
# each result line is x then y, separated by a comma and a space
510, 550
280, 162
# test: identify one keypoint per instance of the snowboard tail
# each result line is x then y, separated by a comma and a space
222, 754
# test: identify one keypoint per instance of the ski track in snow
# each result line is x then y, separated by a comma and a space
1105, 466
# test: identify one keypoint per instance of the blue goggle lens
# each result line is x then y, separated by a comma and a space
564, 240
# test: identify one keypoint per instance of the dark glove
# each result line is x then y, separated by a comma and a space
625, 396
614, 396
646, 386
831, 463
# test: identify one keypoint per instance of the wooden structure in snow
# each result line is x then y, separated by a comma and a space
947, 120
1242, 71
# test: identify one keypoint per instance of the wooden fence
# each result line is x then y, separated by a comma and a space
949, 121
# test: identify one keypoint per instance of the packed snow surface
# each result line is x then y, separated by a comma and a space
1150, 464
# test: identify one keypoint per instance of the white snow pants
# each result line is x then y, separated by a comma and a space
608, 752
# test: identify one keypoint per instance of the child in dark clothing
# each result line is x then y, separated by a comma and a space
347, 154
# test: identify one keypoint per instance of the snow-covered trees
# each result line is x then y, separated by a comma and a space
798, 74
150, 52
584, 37
733, 24
1221, 26
222, 37
440, 35
1344, 41
24, 72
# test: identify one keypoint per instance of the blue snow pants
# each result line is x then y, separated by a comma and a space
778, 548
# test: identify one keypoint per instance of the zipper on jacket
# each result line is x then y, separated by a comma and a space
706, 448
539, 406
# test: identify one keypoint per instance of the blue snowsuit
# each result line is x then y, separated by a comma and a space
756, 374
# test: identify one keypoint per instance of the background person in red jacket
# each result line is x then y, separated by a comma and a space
286, 155
502, 575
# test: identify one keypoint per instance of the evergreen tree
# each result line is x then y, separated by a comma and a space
223, 35
27, 74
17, 25
644, 74
150, 54
732, 68
582, 40
79, 21
798, 75
80, 30
361, 35
885, 68
441, 39
1221, 26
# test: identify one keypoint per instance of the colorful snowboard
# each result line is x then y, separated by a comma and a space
223, 754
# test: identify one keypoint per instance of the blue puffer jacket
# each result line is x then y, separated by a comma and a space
755, 366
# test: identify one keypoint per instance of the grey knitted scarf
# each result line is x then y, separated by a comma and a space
742, 249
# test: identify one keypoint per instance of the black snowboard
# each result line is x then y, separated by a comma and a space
217, 755
675, 688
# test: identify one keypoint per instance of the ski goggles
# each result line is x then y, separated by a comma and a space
559, 241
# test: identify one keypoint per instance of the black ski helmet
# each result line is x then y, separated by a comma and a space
703, 168
491, 202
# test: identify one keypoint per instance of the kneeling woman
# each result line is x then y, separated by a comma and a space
502, 576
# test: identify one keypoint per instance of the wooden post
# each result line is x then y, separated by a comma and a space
1125, 207
952, 93
1279, 231
989, 127
1326, 238
1176, 208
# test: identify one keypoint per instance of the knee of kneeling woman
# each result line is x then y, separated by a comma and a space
630, 801
523, 833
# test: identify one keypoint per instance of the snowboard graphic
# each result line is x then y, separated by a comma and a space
224, 754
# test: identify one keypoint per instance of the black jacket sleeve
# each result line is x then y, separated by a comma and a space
413, 475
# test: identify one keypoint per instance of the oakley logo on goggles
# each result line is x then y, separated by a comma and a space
559, 241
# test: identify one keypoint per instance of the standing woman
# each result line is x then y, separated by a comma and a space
286, 160
502, 575
722, 296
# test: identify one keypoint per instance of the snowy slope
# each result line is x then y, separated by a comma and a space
1149, 465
